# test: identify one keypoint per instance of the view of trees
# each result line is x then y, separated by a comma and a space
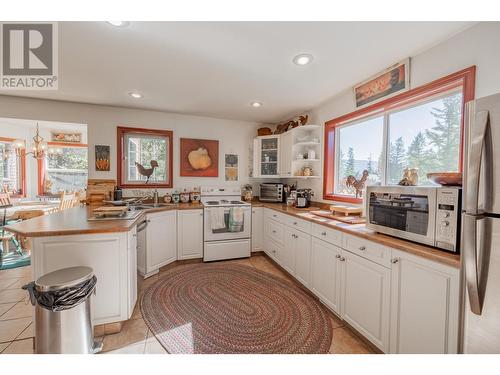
433, 149
149, 149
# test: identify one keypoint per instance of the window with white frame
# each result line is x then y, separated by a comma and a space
10, 168
424, 135
66, 168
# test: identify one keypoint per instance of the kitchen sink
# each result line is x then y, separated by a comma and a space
145, 206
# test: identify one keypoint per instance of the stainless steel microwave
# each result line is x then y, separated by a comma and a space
428, 215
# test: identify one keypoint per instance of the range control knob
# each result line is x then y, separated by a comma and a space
446, 214
445, 223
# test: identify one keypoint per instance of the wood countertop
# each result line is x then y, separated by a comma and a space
360, 230
74, 221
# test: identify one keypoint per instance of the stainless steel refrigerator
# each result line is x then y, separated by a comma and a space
481, 228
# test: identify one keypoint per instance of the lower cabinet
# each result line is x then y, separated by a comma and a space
425, 306
326, 277
189, 234
161, 240
257, 228
303, 257
365, 302
287, 251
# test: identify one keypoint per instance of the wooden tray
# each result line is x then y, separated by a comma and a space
344, 219
109, 211
346, 210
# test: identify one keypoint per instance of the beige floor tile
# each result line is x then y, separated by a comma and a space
153, 346
12, 295
20, 347
22, 309
4, 307
344, 341
10, 329
133, 331
3, 346
6, 283
135, 348
18, 284
27, 333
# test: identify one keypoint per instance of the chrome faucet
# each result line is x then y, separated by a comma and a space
155, 197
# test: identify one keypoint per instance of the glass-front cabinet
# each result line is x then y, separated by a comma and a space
266, 156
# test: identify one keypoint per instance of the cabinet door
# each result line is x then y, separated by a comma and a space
303, 258
366, 288
189, 234
269, 157
425, 306
161, 238
287, 251
325, 270
257, 228
286, 144
256, 157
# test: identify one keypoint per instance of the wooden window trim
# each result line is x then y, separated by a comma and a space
41, 163
22, 169
121, 131
464, 78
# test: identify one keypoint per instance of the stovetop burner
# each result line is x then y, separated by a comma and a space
236, 202
212, 203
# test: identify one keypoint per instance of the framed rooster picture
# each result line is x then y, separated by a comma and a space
144, 158
199, 157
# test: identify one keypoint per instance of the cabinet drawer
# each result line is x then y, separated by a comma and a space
332, 236
275, 215
368, 250
299, 224
273, 248
274, 230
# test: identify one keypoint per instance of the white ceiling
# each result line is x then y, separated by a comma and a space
217, 68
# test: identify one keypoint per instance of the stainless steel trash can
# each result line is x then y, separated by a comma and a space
62, 311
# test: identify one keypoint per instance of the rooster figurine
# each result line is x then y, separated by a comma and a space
147, 172
358, 185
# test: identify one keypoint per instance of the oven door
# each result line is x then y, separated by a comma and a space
226, 233
402, 211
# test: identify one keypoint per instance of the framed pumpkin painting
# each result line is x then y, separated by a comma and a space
199, 157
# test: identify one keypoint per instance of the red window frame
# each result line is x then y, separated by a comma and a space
41, 163
121, 131
463, 78
22, 168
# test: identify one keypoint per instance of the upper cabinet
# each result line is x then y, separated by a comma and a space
293, 154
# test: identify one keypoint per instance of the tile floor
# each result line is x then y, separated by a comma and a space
16, 333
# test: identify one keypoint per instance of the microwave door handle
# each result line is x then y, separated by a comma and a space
476, 297
474, 157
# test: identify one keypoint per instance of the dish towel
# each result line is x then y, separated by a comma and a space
235, 219
217, 218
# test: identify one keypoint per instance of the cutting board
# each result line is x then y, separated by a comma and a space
109, 211
346, 210
354, 219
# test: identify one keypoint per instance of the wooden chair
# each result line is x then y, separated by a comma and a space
5, 200
6, 237
68, 200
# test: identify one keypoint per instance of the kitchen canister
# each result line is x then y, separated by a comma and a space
175, 197
184, 196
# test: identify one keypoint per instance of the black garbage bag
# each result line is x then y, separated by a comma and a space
63, 299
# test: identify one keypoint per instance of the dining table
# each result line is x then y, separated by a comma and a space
21, 209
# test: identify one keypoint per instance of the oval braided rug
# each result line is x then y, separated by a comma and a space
229, 308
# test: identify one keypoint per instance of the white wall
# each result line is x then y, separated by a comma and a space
234, 136
478, 45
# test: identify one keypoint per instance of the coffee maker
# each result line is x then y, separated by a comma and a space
303, 198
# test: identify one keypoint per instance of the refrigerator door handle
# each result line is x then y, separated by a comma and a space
471, 263
474, 157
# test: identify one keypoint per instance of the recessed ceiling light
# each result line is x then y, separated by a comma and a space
135, 94
256, 104
302, 59
118, 23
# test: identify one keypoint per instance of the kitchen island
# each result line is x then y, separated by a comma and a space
109, 247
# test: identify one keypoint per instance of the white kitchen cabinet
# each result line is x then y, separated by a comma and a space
257, 228
267, 156
110, 255
189, 234
286, 150
303, 257
326, 277
287, 251
366, 289
424, 305
161, 240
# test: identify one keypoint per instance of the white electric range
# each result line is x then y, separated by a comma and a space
221, 240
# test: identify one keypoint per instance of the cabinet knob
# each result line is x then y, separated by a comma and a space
362, 248
274, 231
342, 259
295, 223
323, 233
134, 235
394, 260
201, 214
337, 256
274, 215
274, 251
